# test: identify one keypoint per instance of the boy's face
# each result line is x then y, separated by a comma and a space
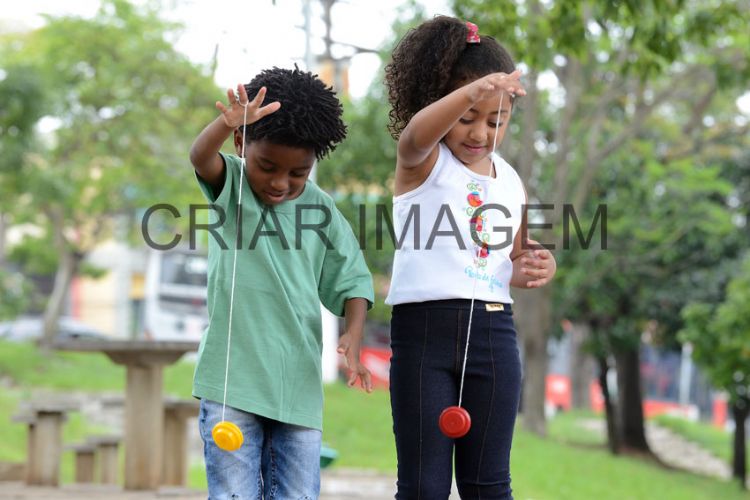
275, 172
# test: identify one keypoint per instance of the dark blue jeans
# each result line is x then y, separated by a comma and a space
428, 341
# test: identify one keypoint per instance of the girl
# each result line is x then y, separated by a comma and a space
459, 209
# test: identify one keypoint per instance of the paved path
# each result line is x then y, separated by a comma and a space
677, 451
335, 485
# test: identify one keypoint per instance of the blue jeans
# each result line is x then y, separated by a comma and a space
428, 341
277, 461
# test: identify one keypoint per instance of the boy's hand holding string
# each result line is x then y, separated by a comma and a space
350, 343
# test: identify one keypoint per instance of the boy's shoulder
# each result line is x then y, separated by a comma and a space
316, 194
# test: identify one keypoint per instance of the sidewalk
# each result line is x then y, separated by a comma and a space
338, 484
677, 451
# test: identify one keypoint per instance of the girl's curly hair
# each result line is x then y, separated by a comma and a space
431, 60
310, 113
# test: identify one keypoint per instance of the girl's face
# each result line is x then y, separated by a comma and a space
470, 140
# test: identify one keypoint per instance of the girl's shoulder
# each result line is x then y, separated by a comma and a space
507, 173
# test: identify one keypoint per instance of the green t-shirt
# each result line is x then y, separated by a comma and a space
285, 270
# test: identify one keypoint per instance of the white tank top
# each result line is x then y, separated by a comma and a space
435, 255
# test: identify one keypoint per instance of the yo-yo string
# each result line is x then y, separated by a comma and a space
234, 264
476, 259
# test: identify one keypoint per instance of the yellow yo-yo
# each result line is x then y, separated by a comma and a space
227, 436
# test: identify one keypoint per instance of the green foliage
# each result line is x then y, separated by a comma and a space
22, 95
126, 105
35, 255
16, 293
664, 225
720, 336
656, 32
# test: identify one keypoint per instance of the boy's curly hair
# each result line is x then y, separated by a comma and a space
433, 59
310, 113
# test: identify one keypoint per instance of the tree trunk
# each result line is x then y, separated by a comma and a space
630, 404
65, 270
580, 367
613, 436
740, 411
532, 316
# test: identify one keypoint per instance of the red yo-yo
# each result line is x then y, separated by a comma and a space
455, 422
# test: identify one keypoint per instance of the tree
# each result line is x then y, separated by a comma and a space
127, 106
22, 93
720, 336
359, 173
667, 223
616, 64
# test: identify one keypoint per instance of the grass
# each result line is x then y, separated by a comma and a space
571, 427
358, 426
543, 469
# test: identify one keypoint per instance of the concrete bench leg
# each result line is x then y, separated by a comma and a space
30, 449
174, 471
175, 464
85, 460
108, 463
47, 446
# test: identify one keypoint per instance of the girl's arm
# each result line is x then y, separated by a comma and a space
204, 153
417, 144
533, 265
533, 268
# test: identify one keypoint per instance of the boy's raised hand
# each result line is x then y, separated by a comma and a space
350, 347
235, 112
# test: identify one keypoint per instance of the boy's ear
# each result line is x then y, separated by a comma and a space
238, 142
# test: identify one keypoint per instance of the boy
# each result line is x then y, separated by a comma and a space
293, 249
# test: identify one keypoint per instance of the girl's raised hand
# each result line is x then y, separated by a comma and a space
234, 114
489, 86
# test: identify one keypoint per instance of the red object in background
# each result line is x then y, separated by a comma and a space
719, 412
558, 392
378, 361
596, 397
651, 407
75, 297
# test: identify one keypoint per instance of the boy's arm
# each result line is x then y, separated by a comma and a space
204, 153
419, 139
350, 343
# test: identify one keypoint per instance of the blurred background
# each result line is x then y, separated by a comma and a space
632, 142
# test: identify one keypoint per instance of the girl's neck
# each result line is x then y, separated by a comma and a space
484, 167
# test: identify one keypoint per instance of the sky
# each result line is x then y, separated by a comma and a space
252, 35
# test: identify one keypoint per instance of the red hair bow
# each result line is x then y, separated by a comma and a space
473, 35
